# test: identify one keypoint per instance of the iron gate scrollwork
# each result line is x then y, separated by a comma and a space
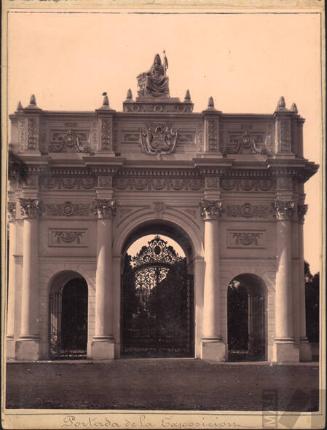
157, 302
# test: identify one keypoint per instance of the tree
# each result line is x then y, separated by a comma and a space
311, 303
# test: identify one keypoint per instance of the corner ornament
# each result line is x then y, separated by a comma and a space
30, 208
158, 140
211, 209
284, 210
104, 208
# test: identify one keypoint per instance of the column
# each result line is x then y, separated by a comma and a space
103, 340
11, 281
213, 347
28, 344
305, 347
285, 349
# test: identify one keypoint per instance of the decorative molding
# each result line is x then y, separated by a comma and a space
210, 209
212, 134
11, 211
247, 210
69, 141
172, 107
246, 239
68, 183
211, 183
158, 139
30, 208
157, 184
105, 181
301, 212
247, 184
284, 209
104, 208
67, 209
68, 237
32, 134
106, 134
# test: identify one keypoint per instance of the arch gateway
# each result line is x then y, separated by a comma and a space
229, 188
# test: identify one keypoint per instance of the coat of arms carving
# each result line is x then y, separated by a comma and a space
158, 139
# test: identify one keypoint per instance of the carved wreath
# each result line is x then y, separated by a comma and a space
160, 139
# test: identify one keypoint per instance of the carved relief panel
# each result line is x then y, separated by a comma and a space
247, 138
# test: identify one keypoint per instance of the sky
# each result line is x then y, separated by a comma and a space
246, 62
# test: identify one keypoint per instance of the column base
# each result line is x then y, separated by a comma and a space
103, 348
10, 346
305, 350
27, 349
213, 349
285, 351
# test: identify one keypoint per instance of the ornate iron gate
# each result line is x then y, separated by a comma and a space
157, 303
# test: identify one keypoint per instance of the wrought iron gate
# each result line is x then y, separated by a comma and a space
157, 303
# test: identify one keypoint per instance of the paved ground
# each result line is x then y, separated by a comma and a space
165, 384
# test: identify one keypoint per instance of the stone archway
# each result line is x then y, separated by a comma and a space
246, 318
68, 316
150, 325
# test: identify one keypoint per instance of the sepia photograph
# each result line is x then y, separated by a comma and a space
162, 218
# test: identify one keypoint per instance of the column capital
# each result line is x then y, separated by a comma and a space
284, 209
11, 211
104, 208
211, 209
301, 211
30, 208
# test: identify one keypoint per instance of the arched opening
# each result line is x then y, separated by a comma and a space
157, 315
246, 318
68, 308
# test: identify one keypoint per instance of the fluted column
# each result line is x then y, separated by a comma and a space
305, 347
284, 346
213, 347
11, 281
27, 347
103, 340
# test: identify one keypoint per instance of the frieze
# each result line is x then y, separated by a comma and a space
247, 210
139, 107
67, 209
68, 237
248, 143
247, 184
69, 141
245, 239
157, 184
68, 183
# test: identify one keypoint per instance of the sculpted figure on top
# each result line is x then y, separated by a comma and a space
154, 82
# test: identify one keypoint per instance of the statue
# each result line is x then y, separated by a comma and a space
154, 82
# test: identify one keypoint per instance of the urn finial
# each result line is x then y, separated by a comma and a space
105, 103
129, 96
294, 108
281, 105
187, 97
32, 101
19, 106
211, 103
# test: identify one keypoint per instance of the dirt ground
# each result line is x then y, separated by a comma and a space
166, 384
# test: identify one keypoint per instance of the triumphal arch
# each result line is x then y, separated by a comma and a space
228, 188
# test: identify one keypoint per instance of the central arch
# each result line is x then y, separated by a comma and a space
162, 323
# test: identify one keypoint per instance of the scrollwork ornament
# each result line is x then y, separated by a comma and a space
104, 208
11, 211
301, 211
284, 209
211, 209
30, 208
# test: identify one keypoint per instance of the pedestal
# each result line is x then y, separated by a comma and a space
28, 349
214, 350
103, 349
10, 348
285, 352
305, 350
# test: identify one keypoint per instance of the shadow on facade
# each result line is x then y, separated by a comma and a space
246, 318
68, 315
